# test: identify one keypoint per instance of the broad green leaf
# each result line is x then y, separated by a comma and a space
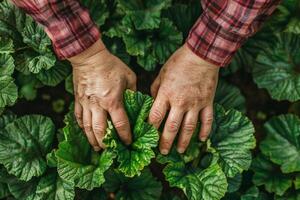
282, 144
117, 47
232, 137
28, 85
69, 84
165, 40
297, 182
276, 68
4, 192
23, 145
293, 195
184, 15
229, 96
52, 187
35, 36
51, 159
197, 184
77, 163
6, 46
47, 187
143, 187
6, 118
12, 21
132, 159
268, 174
36, 62
144, 14
253, 193
148, 61
98, 10
234, 183
8, 91
7, 65
55, 75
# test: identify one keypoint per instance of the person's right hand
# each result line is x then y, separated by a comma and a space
100, 79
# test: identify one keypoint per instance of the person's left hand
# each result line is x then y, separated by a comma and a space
186, 87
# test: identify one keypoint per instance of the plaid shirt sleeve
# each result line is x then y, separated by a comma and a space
66, 22
224, 25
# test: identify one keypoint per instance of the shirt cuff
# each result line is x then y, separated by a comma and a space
212, 42
72, 33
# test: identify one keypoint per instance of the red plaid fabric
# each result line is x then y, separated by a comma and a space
66, 22
224, 25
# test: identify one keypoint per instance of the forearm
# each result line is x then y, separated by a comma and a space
67, 24
224, 26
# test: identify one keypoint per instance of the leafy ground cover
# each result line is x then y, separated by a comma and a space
254, 147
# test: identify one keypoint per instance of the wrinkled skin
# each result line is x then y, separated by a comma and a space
100, 79
185, 87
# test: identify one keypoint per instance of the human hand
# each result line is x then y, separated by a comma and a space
100, 79
186, 86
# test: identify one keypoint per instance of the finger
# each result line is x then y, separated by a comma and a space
78, 113
187, 129
170, 130
206, 122
131, 84
158, 111
155, 86
99, 124
87, 125
121, 123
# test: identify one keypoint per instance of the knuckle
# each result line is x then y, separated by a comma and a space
165, 143
184, 143
93, 99
78, 116
98, 128
122, 124
156, 116
189, 128
209, 120
173, 126
87, 127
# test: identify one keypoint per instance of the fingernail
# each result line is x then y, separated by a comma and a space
180, 150
164, 151
203, 139
97, 148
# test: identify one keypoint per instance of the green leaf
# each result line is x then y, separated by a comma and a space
197, 184
8, 91
7, 65
47, 187
6, 45
143, 187
232, 137
6, 118
35, 36
282, 144
297, 182
144, 14
29, 139
69, 84
276, 68
51, 159
229, 96
132, 159
12, 21
28, 85
268, 174
166, 40
4, 192
184, 15
77, 163
36, 62
55, 75
148, 61
52, 187
98, 10
254, 194
234, 183
293, 195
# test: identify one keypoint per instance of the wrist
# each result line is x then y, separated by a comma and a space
198, 60
96, 48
